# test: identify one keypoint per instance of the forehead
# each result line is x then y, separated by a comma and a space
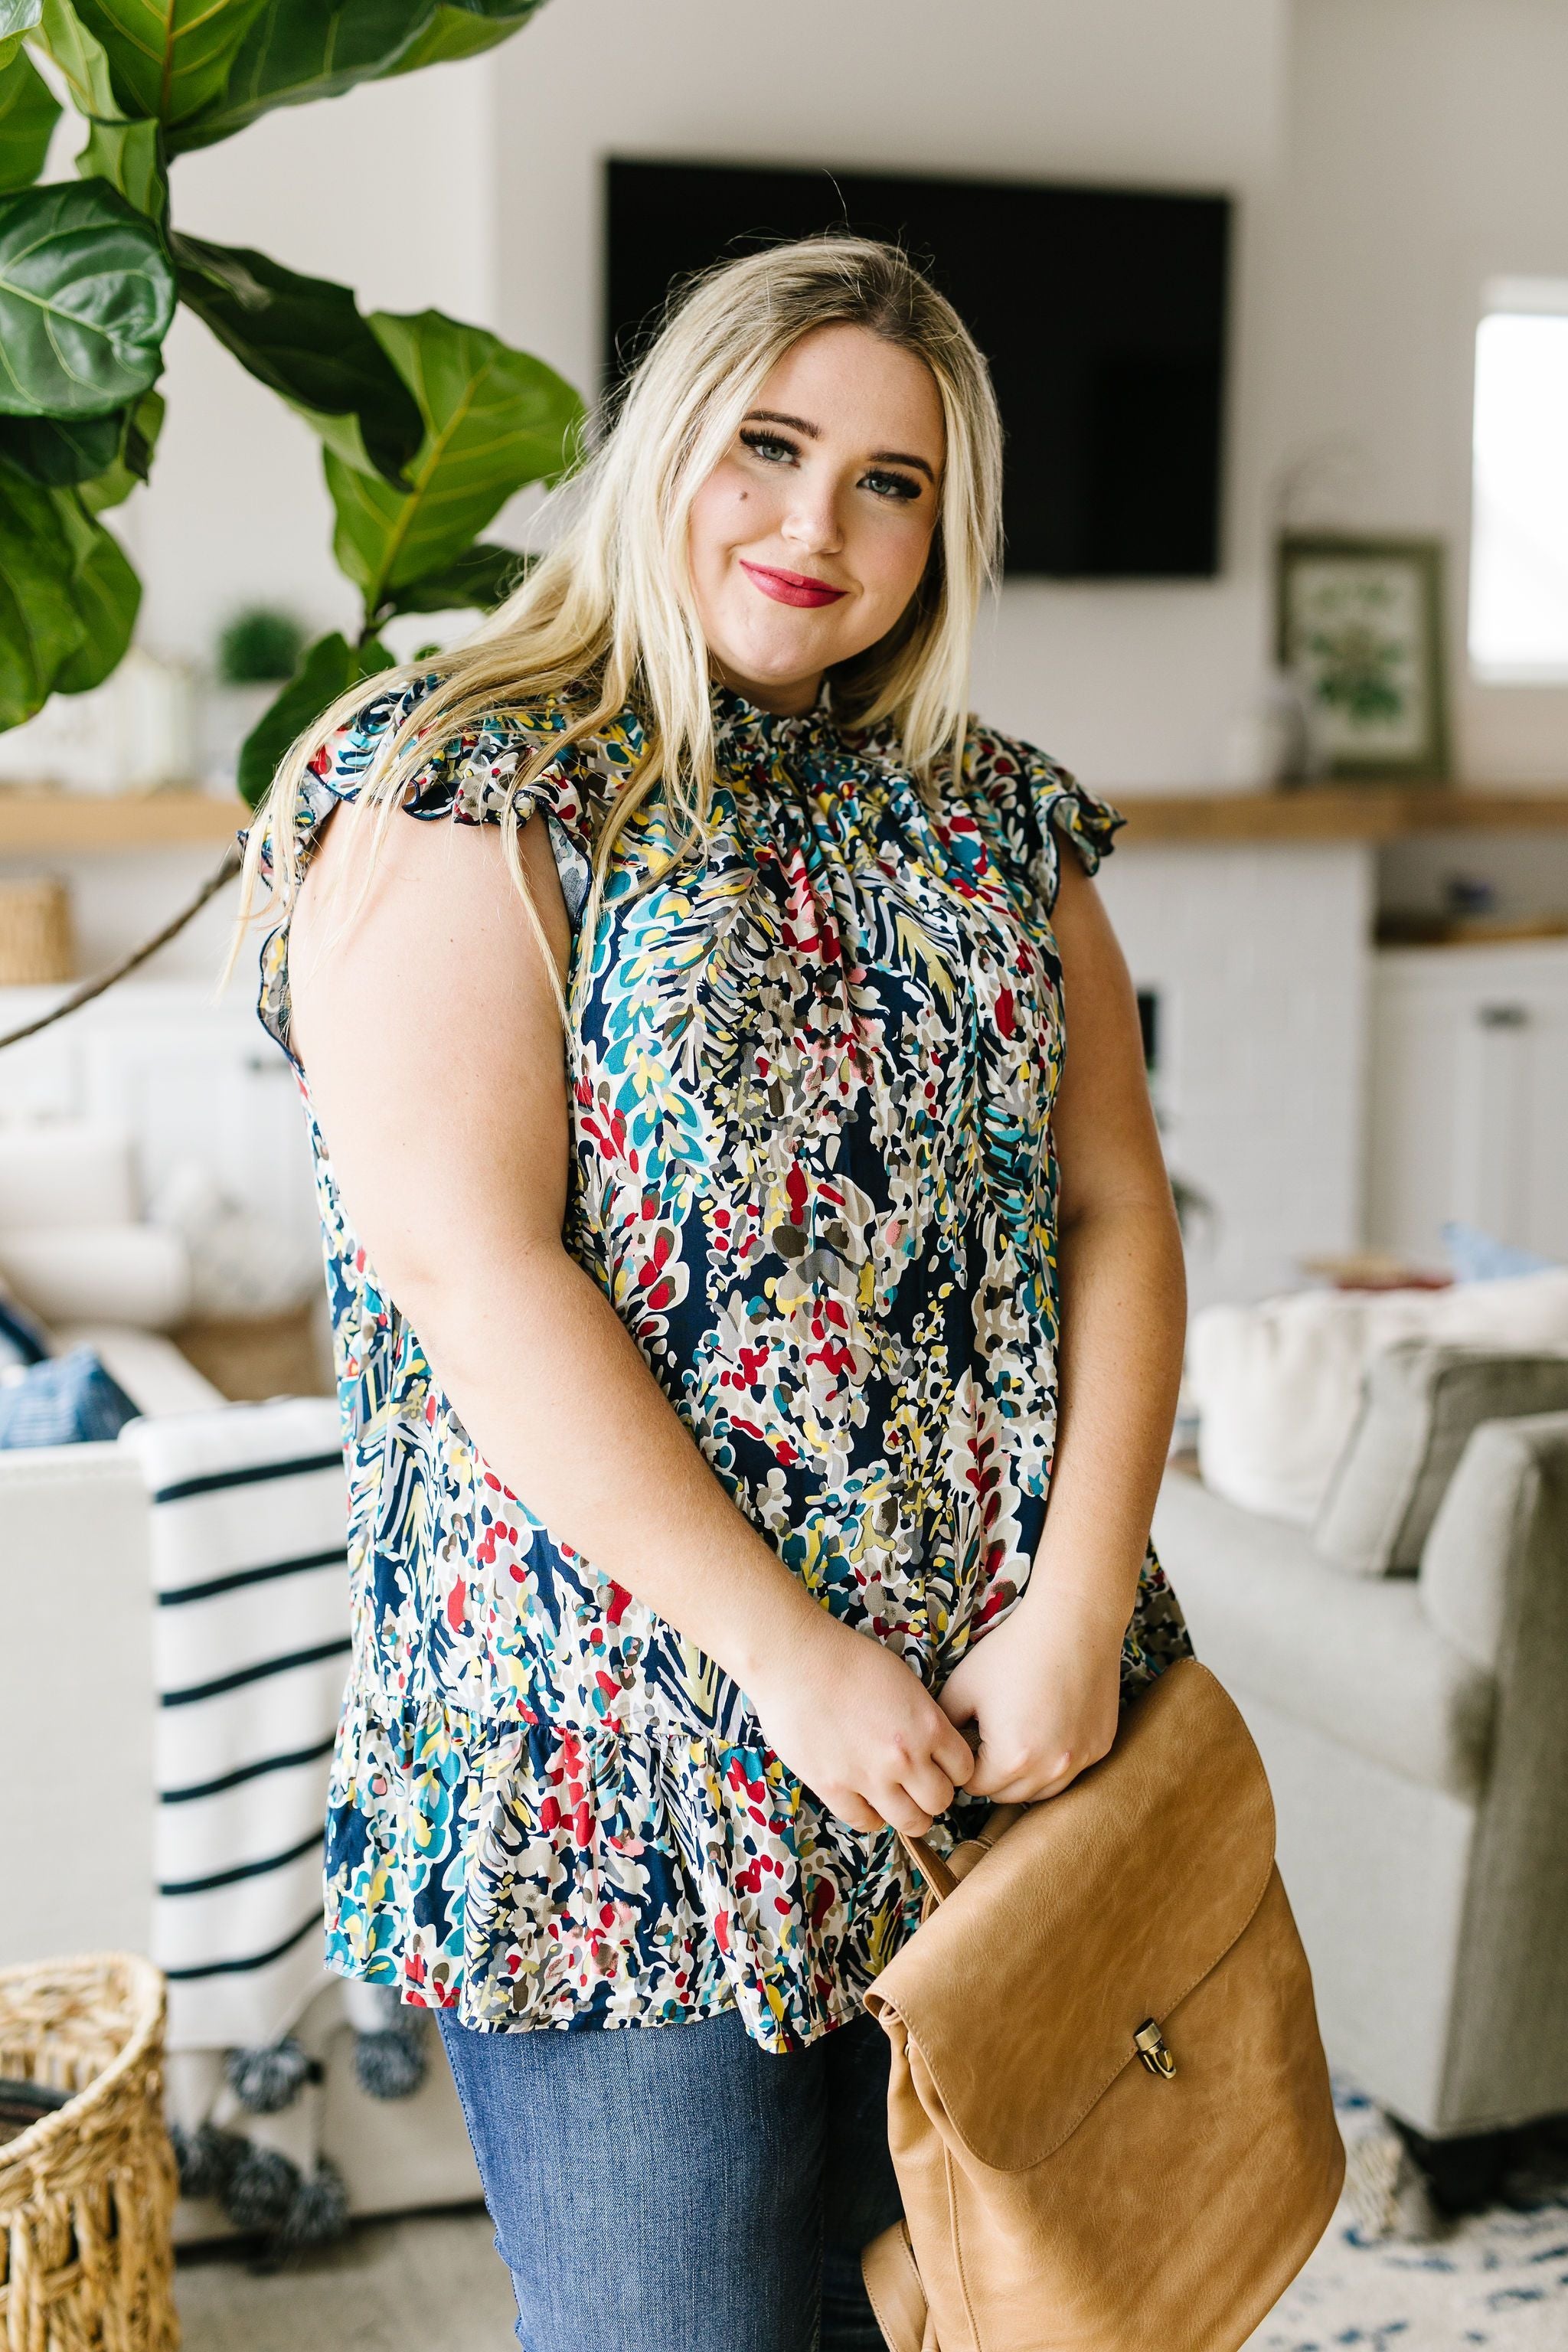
859, 390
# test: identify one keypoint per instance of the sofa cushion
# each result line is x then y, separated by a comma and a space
1419, 1404
1277, 1385
126, 1273
1485, 1527
150, 1369
1354, 1658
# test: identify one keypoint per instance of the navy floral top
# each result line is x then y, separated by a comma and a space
811, 1081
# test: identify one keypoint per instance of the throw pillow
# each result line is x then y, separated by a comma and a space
64, 1401
1277, 1385
1419, 1404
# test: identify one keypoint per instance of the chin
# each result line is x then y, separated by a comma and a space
778, 657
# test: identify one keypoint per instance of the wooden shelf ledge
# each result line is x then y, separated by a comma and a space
82, 824
1329, 812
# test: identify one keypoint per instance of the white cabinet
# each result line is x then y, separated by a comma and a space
189, 1078
1468, 1115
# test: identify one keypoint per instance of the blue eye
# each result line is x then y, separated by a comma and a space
769, 447
891, 486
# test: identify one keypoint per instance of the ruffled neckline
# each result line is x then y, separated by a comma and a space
742, 725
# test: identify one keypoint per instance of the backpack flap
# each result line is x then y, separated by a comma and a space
1094, 1914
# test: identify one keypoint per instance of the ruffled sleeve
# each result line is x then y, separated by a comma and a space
472, 776
1032, 806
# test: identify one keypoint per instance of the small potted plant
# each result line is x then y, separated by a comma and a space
258, 652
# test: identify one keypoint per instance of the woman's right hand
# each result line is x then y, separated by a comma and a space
852, 1721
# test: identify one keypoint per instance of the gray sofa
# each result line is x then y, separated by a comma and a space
1415, 1728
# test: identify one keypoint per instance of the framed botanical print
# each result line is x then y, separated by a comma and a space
1360, 625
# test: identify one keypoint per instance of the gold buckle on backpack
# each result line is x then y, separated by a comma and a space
1149, 2045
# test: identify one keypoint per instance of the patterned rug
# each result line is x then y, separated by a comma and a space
1392, 2276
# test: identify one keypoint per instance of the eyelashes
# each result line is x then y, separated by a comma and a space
901, 486
773, 449
771, 446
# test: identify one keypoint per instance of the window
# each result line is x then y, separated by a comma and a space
1519, 546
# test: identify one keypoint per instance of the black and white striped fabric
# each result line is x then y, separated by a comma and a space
251, 1643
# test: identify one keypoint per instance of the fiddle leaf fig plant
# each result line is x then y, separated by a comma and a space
427, 425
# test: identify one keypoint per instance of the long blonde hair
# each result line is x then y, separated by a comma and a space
608, 618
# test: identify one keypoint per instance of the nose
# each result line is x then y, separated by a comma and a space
811, 522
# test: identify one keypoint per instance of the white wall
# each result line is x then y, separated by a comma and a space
1425, 152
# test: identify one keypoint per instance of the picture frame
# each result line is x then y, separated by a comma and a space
1359, 625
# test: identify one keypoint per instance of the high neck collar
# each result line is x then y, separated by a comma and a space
739, 722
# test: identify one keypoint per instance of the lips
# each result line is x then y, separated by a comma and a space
790, 587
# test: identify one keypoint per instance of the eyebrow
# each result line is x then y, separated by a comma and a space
814, 433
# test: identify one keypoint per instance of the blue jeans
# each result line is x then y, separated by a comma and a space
676, 2188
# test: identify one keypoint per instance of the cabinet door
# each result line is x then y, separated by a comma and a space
1470, 1098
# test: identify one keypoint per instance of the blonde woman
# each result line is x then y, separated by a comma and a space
726, 1258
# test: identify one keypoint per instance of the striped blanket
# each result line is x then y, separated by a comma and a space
251, 1650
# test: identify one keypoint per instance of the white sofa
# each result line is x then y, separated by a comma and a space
1416, 1732
75, 1835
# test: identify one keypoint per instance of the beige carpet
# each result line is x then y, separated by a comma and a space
428, 2285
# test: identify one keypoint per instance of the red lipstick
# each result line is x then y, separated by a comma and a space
790, 587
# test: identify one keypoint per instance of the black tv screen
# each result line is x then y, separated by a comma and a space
1101, 312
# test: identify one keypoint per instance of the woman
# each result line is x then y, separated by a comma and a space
703, 1381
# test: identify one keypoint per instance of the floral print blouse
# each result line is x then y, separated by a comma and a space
811, 1081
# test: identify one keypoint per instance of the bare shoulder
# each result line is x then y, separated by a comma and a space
396, 911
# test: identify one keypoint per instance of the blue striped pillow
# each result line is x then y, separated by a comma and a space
64, 1401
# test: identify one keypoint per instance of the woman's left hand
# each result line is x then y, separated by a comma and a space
1042, 1691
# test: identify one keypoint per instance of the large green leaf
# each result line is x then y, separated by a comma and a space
300, 49
17, 19
29, 113
167, 58
482, 577
126, 150
103, 456
305, 337
494, 420
60, 450
327, 669
107, 594
296, 50
65, 39
461, 28
86, 293
133, 461
130, 156
40, 628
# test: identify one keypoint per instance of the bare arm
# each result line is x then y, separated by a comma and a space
1044, 1686
424, 1016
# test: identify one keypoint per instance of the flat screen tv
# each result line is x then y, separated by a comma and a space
1102, 310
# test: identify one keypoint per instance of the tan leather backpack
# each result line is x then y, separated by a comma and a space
1109, 2112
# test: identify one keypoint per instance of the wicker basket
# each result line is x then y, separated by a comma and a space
35, 944
87, 2194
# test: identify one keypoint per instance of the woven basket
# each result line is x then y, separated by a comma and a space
87, 2194
35, 944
